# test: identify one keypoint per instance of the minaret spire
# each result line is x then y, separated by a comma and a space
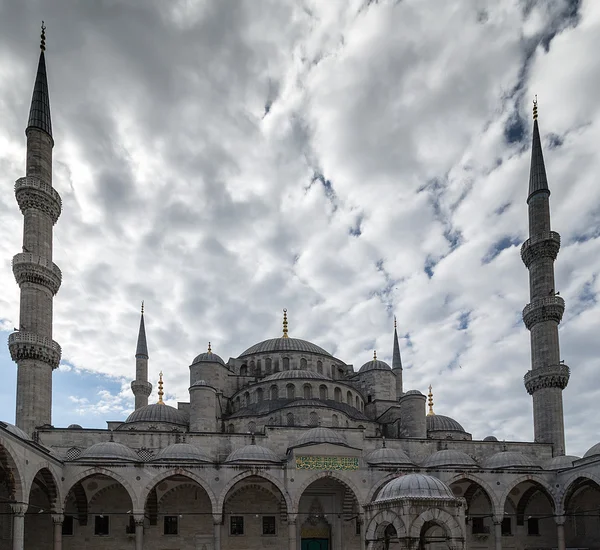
140, 387
548, 375
39, 112
397, 363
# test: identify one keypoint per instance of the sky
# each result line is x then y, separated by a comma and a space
346, 160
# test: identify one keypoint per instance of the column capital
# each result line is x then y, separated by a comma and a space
291, 519
560, 520
19, 508
138, 518
218, 519
58, 518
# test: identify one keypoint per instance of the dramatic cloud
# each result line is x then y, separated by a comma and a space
350, 161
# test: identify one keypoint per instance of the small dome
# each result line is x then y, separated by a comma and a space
413, 392
15, 431
74, 427
593, 451
508, 459
490, 438
388, 457
318, 435
208, 357
560, 462
158, 412
449, 457
181, 452
415, 486
287, 374
374, 364
253, 453
108, 450
441, 423
284, 344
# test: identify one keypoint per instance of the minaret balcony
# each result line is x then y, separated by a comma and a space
26, 345
549, 308
141, 387
543, 245
33, 268
551, 376
32, 192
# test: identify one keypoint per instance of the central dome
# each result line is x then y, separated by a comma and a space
287, 374
285, 344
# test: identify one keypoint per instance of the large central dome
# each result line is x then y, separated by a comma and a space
284, 344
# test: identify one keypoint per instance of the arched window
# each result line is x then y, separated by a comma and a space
276, 368
313, 419
244, 370
333, 371
252, 427
246, 399
271, 421
291, 391
349, 398
303, 364
337, 395
274, 392
357, 405
289, 419
335, 420
268, 366
258, 367
237, 403
320, 367
252, 368
230, 428
323, 391
307, 391
259, 395
286, 363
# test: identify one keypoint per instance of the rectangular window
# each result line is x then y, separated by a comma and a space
236, 525
67, 526
101, 526
171, 525
506, 527
357, 527
478, 526
130, 528
268, 525
533, 526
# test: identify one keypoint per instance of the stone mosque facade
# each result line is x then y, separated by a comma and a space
284, 446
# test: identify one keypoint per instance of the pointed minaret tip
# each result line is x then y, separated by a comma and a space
39, 112
141, 350
396, 359
538, 182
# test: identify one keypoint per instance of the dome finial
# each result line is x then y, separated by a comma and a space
285, 323
142, 307
430, 399
160, 389
535, 111
43, 36
383, 441
395, 325
374, 355
209, 348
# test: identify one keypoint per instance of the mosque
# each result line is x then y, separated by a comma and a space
284, 446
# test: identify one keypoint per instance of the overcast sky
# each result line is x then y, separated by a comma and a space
347, 160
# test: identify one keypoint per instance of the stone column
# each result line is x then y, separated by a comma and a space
560, 532
57, 520
292, 533
139, 531
217, 521
498, 534
363, 534
18, 511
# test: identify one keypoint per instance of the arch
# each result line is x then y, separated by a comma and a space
571, 484
274, 392
259, 395
258, 368
323, 392
286, 363
244, 370
268, 365
290, 391
328, 474
337, 394
313, 419
497, 508
179, 472
380, 521
524, 501
533, 479
224, 493
101, 492
81, 502
252, 368
289, 417
247, 399
438, 517
320, 367
349, 397
335, 422
53, 489
303, 363
357, 403
8, 464
308, 393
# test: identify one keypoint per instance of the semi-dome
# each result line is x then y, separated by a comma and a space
508, 459
560, 462
284, 344
441, 423
181, 452
374, 364
389, 457
490, 438
415, 486
449, 457
108, 450
208, 357
158, 412
253, 453
593, 451
300, 373
318, 435
14, 430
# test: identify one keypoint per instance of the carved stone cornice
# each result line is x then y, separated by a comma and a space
142, 388
34, 193
551, 376
544, 245
549, 308
26, 345
33, 268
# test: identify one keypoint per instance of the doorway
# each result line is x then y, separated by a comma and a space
315, 544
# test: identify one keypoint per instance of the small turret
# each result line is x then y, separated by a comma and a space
140, 387
203, 407
397, 363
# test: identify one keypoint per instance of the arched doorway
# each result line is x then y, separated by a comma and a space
434, 536
581, 508
10, 490
39, 526
479, 511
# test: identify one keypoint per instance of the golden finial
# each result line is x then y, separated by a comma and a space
142, 307
160, 389
43, 41
430, 399
285, 323
374, 355
209, 348
535, 114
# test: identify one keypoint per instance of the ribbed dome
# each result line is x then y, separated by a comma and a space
14, 430
287, 374
314, 436
253, 453
448, 457
508, 459
490, 438
593, 451
181, 452
108, 450
375, 364
284, 344
389, 457
560, 462
157, 412
413, 392
74, 427
441, 423
415, 486
208, 358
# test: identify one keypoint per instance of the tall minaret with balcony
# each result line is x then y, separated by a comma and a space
31, 346
548, 375
397, 363
140, 387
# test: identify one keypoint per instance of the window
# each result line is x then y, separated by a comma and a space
268, 366
323, 392
252, 368
357, 527
67, 526
333, 371
130, 528
268, 525
335, 421
533, 526
506, 527
307, 391
231, 428
252, 427
478, 527
246, 399
244, 370
357, 403
349, 398
314, 419
290, 419
276, 365
286, 363
236, 525
337, 395
274, 392
171, 526
101, 526
258, 368
291, 391
303, 364
320, 367
259, 395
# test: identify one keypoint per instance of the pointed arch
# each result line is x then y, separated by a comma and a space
497, 508
438, 517
532, 479
10, 468
99, 471
380, 521
321, 475
52, 488
571, 484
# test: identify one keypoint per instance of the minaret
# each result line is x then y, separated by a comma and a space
140, 387
548, 375
32, 347
397, 363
